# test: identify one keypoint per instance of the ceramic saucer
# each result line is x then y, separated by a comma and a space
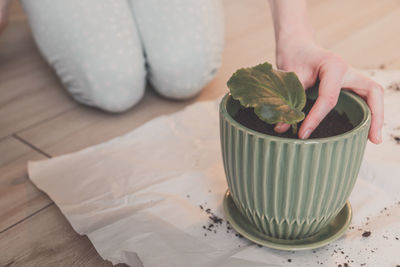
329, 233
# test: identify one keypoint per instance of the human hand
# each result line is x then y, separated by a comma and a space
312, 63
295, 51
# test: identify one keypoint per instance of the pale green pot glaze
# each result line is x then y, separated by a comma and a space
291, 188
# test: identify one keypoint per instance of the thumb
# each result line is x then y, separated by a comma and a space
281, 127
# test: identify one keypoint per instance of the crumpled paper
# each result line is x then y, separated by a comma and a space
147, 197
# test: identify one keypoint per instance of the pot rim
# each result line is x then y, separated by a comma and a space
364, 123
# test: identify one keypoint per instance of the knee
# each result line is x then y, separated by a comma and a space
119, 95
113, 91
120, 101
182, 79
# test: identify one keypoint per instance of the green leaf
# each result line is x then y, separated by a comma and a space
276, 96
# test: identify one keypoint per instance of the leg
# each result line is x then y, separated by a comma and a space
94, 47
183, 42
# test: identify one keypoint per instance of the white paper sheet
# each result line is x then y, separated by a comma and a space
139, 195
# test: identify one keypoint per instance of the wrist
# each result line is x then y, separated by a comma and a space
290, 49
293, 44
296, 38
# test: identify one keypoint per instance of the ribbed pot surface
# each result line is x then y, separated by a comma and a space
290, 188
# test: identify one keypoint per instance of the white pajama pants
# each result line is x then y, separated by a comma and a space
104, 50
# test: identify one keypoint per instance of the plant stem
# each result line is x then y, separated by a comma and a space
294, 128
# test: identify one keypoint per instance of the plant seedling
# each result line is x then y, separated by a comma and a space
276, 96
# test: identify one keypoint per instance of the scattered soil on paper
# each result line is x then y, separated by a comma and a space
366, 234
394, 86
397, 139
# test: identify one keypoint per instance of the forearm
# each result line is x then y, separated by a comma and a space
290, 20
297, 52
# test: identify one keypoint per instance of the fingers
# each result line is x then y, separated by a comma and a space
318, 112
334, 74
373, 93
375, 103
281, 127
330, 85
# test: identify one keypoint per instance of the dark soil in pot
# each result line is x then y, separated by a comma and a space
333, 124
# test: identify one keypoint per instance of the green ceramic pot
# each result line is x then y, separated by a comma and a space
291, 188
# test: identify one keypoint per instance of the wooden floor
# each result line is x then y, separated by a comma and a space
39, 120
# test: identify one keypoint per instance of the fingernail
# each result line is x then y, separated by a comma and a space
306, 134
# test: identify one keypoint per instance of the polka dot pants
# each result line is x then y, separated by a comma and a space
104, 50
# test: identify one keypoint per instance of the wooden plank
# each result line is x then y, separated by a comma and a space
243, 16
250, 41
84, 126
250, 35
29, 90
16, 12
47, 239
19, 198
331, 22
33, 103
334, 20
374, 45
